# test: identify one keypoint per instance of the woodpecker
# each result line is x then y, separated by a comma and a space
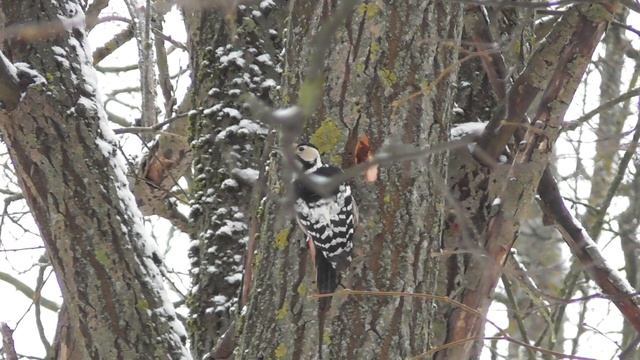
327, 221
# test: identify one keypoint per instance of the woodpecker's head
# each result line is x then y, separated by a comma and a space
308, 156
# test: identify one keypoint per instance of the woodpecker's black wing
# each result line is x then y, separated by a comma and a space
330, 223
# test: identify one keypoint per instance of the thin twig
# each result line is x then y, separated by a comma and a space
609, 104
457, 304
106, 69
37, 300
531, 4
516, 312
617, 180
390, 155
28, 292
22, 249
145, 129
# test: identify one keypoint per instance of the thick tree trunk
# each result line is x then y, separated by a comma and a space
234, 52
73, 179
495, 223
611, 120
381, 67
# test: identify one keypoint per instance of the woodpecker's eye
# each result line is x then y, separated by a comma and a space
300, 148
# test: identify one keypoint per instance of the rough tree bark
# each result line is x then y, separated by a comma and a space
381, 68
72, 177
508, 33
234, 53
610, 125
554, 77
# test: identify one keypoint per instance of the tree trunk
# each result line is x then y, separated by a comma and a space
234, 52
495, 206
608, 132
381, 68
610, 120
628, 224
73, 179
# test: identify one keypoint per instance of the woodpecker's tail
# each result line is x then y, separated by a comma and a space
327, 279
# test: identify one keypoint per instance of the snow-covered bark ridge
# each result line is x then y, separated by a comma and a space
74, 180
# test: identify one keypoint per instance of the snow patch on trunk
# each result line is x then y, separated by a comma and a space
107, 143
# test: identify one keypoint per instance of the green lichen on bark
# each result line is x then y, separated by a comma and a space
282, 238
327, 136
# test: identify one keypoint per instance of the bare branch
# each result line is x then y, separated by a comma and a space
631, 4
595, 228
7, 342
541, 4
169, 39
28, 292
516, 312
146, 61
492, 61
521, 4
23, 249
110, 18
116, 68
626, 27
37, 300
530, 83
163, 69
93, 11
154, 128
573, 124
585, 249
112, 45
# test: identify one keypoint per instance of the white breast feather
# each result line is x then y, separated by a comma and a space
323, 211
